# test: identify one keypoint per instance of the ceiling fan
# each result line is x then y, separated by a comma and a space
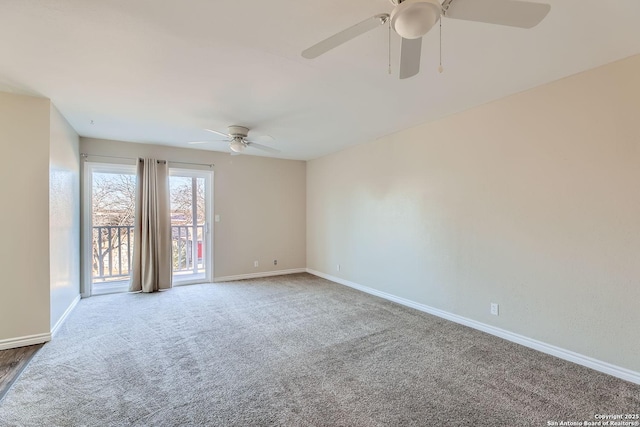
412, 19
237, 138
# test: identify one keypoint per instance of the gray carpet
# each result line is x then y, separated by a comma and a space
293, 351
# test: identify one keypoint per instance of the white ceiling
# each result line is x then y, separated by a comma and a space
160, 71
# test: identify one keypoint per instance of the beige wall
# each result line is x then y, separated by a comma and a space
64, 215
24, 191
532, 202
261, 203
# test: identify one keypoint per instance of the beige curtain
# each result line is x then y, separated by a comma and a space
152, 231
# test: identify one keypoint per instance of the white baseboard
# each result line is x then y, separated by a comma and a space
39, 338
259, 275
24, 341
589, 362
64, 316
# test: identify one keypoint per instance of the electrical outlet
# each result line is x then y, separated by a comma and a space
494, 309
275, 262
255, 263
338, 267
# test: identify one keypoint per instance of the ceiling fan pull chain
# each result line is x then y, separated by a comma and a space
440, 69
389, 22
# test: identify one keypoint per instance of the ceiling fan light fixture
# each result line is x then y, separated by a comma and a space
237, 145
412, 19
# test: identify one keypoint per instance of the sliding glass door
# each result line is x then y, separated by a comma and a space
109, 194
110, 205
190, 225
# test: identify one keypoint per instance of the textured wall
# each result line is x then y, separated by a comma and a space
532, 202
261, 203
64, 215
24, 217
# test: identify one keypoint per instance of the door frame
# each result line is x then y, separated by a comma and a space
86, 283
87, 223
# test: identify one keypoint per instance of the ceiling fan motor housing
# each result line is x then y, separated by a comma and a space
238, 131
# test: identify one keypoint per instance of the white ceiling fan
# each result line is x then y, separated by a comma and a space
412, 19
237, 138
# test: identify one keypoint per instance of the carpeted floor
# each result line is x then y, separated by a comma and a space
293, 351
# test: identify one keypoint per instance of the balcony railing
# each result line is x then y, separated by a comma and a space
113, 251
188, 248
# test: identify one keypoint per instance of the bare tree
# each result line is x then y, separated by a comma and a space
181, 200
113, 200
113, 204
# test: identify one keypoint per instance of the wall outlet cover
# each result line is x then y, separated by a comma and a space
494, 309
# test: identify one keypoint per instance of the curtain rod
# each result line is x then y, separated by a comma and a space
85, 155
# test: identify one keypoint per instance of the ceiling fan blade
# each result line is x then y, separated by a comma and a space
522, 14
262, 147
263, 138
345, 35
198, 142
410, 57
218, 133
